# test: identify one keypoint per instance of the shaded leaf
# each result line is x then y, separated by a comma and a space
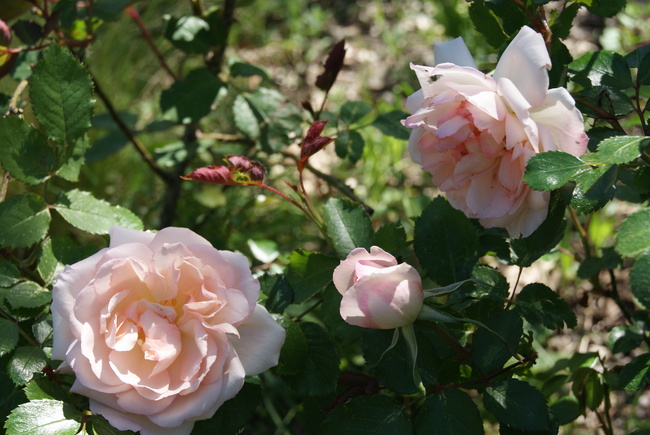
368, 415
633, 235
333, 65
451, 412
350, 144
354, 111
8, 336
308, 273
190, 99
189, 33
517, 404
488, 351
24, 220
640, 279
487, 24
24, 152
635, 374
601, 68
233, 414
540, 305
623, 338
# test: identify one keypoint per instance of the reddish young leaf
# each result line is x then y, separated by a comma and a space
312, 143
333, 65
240, 172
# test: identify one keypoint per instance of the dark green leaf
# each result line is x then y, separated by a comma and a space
73, 159
24, 362
487, 24
106, 145
560, 58
622, 149
28, 294
190, 99
233, 414
44, 417
540, 305
110, 10
634, 375
278, 291
24, 152
293, 355
608, 102
61, 93
391, 237
606, 8
280, 120
190, 34
567, 409
321, 370
28, 31
342, 332
8, 336
643, 74
241, 69
348, 226
93, 215
389, 124
446, 242
601, 68
517, 404
368, 415
527, 250
57, 252
640, 279
451, 412
550, 170
353, 111
623, 338
42, 388
493, 293
394, 367
98, 425
349, 144
594, 188
488, 351
633, 236
561, 25
588, 387
308, 273
9, 274
24, 220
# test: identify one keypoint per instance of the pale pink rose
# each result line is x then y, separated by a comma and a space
377, 292
474, 132
161, 329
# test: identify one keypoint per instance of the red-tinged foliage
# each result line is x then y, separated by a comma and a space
240, 172
312, 143
333, 65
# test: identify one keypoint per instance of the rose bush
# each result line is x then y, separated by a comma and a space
378, 292
474, 133
161, 329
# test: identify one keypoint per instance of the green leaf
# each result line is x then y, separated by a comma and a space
390, 124
263, 250
190, 34
551, 169
245, 119
540, 305
9, 274
622, 149
280, 295
308, 273
605, 8
488, 351
594, 188
588, 387
492, 293
98, 425
28, 294
24, 362
242, 69
610, 100
368, 415
190, 99
563, 22
43, 330
280, 120
624, 339
487, 24
349, 144
635, 374
73, 159
44, 417
633, 235
110, 10
24, 220
42, 388
24, 152
321, 369
567, 409
446, 242
8, 336
643, 74
601, 68
640, 279
392, 366
293, 355
348, 225
61, 93
56, 252
391, 237
233, 414
517, 404
354, 111
96, 216
527, 250
342, 332
451, 412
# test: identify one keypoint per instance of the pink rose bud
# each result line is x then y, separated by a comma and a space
474, 133
378, 292
161, 329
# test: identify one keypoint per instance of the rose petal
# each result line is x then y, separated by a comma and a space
454, 51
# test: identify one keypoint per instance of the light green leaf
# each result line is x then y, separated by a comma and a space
550, 170
353, 111
348, 225
622, 149
28, 294
8, 336
517, 404
633, 236
44, 417
24, 220
245, 118
96, 216
61, 93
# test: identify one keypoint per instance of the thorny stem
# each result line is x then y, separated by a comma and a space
514, 289
129, 134
637, 107
133, 13
308, 310
291, 200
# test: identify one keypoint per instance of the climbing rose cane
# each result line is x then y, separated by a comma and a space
474, 133
377, 292
161, 329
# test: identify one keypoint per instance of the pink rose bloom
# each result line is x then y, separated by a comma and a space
161, 329
474, 133
377, 292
